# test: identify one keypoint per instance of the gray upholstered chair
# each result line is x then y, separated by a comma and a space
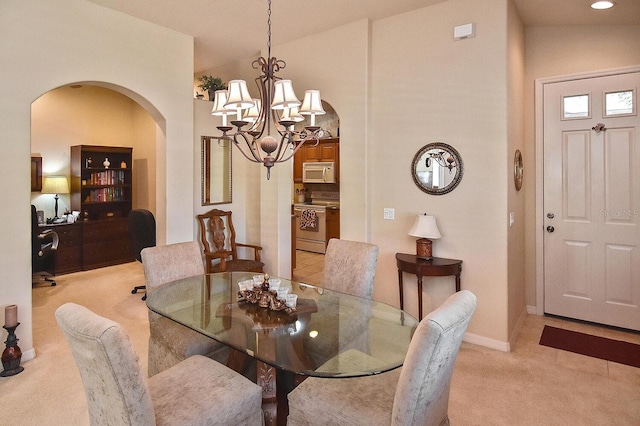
197, 391
350, 267
170, 342
416, 394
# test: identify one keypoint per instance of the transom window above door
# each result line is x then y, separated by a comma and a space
620, 103
576, 106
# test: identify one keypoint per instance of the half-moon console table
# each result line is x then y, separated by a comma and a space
434, 267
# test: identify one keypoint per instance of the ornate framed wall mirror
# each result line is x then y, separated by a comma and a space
437, 168
517, 170
216, 171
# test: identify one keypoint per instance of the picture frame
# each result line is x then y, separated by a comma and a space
36, 174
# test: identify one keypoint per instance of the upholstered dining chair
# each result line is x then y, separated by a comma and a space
218, 237
170, 342
416, 394
350, 267
197, 391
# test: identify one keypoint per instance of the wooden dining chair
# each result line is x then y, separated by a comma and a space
197, 391
170, 342
350, 267
416, 394
218, 238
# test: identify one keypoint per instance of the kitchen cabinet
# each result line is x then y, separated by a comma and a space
333, 223
326, 150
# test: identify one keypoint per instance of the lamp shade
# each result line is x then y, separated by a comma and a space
55, 185
253, 114
238, 95
312, 105
284, 96
219, 108
425, 226
291, 114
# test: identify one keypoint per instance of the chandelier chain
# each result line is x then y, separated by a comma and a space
269, 30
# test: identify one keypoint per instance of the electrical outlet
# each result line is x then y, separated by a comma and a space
389, 214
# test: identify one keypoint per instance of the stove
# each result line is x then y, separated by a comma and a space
311, 235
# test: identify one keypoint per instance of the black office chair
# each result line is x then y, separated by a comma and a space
44, 246
142, 227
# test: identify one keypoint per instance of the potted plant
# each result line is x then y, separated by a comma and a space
210, 84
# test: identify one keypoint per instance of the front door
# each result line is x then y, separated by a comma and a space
592, 199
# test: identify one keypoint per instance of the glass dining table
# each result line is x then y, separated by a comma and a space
328, 334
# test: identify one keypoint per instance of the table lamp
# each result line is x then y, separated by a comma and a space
55, 185
426, 228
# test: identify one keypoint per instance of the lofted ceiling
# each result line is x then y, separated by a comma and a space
225, 30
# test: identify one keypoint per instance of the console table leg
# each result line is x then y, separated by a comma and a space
401, 289
419, 297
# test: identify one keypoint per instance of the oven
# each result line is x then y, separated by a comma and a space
311, 227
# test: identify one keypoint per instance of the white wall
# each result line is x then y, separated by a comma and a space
44, 45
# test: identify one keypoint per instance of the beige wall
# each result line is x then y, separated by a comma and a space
557, 51
515, 122
91, 115
45, 45
398, 84
340, 70
426, 87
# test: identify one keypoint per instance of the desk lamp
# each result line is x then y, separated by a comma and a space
426, 228
55, 185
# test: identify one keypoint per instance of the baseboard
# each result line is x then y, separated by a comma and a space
28, 355
517, 328
532, 310
486, 342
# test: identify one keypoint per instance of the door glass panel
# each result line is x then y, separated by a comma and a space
619, 103
575, 107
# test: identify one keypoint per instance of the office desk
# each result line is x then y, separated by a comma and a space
331, 335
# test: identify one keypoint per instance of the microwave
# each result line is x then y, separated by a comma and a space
319, 172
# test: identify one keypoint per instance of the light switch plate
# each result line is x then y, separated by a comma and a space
389, 214
512, 219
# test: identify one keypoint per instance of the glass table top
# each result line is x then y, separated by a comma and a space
331, 334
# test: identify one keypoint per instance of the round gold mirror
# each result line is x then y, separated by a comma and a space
437, 168
517, 170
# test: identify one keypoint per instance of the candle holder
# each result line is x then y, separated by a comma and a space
12, 354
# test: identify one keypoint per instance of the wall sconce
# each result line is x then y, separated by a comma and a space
55, 185
425, 228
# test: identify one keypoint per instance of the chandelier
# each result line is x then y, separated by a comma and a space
277, 108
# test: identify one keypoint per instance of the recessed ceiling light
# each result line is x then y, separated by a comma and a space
601, 5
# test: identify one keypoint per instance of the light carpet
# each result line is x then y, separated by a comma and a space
533, 385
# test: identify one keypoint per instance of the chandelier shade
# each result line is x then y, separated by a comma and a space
277, 109
219, 108
312, 105
284, 96
238, 97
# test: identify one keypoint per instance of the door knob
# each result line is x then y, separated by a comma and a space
550, 215
550, 229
